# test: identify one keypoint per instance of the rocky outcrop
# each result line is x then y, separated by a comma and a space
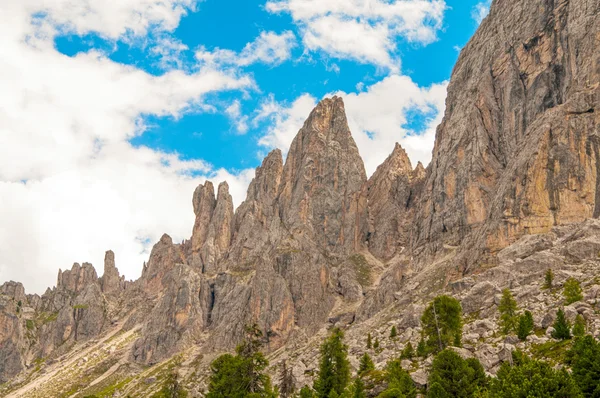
77, 278
163, 258
392, 193
322, 177
211, 236
179, 316
517, 151
111, 281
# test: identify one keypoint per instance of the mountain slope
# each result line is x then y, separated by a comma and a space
316, 243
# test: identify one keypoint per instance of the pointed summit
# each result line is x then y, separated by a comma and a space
322, 173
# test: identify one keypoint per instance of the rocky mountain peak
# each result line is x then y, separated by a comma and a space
111, 281
77, 278
322, 175
204, 205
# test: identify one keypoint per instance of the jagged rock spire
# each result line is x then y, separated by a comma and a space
322, 175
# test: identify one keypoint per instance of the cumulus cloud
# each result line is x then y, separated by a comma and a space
378, 117
268, 48
363, 30
71, 184
481, 10
240, 121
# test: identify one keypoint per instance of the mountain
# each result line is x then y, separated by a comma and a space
512, 190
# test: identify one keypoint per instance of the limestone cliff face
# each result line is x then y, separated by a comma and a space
111, 281
392, 193
517, 151
321, 180
212, 231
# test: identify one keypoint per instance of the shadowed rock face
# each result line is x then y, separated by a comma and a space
517, 151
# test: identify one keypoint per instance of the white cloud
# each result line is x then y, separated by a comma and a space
285, 120
377, 118
65, 125
268, 48
234, 111
169, 50
480, 11
363, 30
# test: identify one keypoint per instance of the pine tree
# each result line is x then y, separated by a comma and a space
442, 324
562, 329
408, 352
358, 389
399, 382
532, 379
365, 364
584, 359
525, 325
369, 341
306, 392
241, 375
393, 332
579, 327
421, 349
455, 376
287, 382
334, 368
572, 291
548, 279
508, 312
376, 344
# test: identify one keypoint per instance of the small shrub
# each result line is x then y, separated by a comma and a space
579, 327
572, 291
525, 325
408, 352
548, 279
508, 312
562, 329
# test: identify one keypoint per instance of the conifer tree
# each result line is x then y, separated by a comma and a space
306, 392
334, 368
421, 349
393, 332
455, 376
562, 328
584, 359
579, 326
442, 324
365, 364
358, 389
376, 344
572, 291
532, 379
508, 312
241, 375
399, 382
369, 341
548, 279
525, 325
408, 352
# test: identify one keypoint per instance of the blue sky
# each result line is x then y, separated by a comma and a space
212, 136
113, 112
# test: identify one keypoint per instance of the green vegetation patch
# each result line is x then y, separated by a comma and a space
362, 269
553, 351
